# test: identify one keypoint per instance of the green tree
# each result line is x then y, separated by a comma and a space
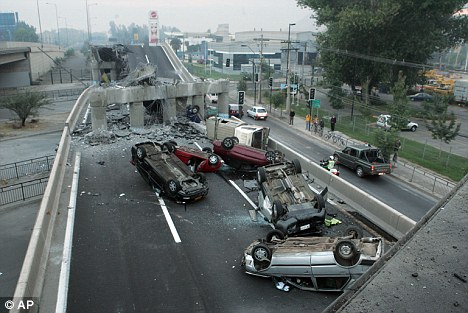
277, 99
175, 44
440, 122
399, 109
385, 141
242, 85
25, 33
336, 96
361, 35
25, 104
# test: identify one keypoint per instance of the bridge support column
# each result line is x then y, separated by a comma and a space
95, 73
137, 114
200, 102
223, 101
169, 110
98, 101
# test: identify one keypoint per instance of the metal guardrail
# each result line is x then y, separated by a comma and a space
23, 191
26, 168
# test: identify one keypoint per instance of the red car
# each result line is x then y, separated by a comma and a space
243, 157
198, 160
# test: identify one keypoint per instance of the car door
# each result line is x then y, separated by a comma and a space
327, 275
345, 156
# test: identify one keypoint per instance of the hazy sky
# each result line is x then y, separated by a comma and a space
187, 15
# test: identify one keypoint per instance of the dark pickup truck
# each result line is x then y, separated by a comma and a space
364, 160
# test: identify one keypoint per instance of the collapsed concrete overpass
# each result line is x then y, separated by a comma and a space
147, 83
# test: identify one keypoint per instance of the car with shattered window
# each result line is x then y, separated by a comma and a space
313, 263
203, 160
243, 157
166, 173
287, 201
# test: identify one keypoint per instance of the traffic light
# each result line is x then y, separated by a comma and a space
270, 82
240, 97
311, 93
256, 77
228, 62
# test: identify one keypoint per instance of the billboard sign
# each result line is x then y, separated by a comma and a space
153, 28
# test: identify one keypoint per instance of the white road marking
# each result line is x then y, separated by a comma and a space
243, 194
147, 60
62, 292
196, 143
174, 232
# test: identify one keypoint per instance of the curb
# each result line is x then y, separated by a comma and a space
32, 134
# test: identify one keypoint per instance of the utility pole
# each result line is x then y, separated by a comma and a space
40, 26
288, 89
260, 71
303, 58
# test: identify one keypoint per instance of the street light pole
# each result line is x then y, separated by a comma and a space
288, 89
40, 26
254, 82
66, 28
87, 20
56, 17
253, 73
260, 71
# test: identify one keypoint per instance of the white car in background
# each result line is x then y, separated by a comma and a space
384, 122
257, 113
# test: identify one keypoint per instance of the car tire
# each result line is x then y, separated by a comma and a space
195, 109
213, 159
169, 146
141, 153
228, 143
359, 172
261, 175
270, 156
277, 211
261, 253
335, 157
173, 186
297, 166
236, 140
207, 150
413, 128
275, 233
346, 249
353, 231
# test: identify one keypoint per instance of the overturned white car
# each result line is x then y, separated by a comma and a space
313, 263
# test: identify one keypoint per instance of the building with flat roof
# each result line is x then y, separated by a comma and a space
8, 23
245, 52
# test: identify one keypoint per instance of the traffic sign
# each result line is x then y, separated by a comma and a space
315, 103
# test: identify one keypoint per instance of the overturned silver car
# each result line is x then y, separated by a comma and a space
313, 263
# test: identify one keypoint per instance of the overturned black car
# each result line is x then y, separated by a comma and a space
287, 201
166, 173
